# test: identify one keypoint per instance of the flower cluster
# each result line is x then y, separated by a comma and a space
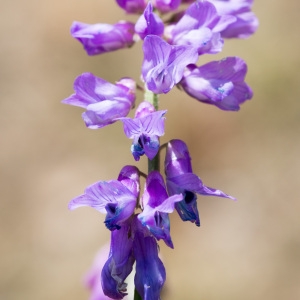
174, 33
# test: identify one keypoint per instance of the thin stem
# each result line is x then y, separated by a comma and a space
137, 295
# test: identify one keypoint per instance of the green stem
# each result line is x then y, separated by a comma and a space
137, 295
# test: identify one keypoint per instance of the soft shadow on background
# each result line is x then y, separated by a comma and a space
244, 250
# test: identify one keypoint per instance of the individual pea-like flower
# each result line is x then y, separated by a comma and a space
164, 64
246, 22
149, 23
104, 102
156, 206
101, 38
150, 272
119, 264
116, 198
165, 6
200, 27
92, 280
220, 83
145, 130
133, 6
180, 179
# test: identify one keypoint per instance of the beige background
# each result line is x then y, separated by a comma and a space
244, 250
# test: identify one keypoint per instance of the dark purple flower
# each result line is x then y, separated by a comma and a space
150, 272
116, 198
220, 83
156, 206
119, 263
104, 102
101, 38
145, 130
164, 64
92, 280
246, 22
181, 180
133, 6
200, 27
165, 6
149, 23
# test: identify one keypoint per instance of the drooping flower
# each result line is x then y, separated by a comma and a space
150, 272
200, 27
101, 38
119, 264
246, 22
145, 130
164, 64
132, 6
116, 198
181, 180
92, 279
149, 23
220, 83
104, 102
166, 6
156, 206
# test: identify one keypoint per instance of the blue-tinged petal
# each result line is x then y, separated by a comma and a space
115, 198
156, 206
166, 6
220, 83
132, 6
150, 272
119, 263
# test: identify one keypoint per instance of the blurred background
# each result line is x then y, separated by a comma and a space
244, 250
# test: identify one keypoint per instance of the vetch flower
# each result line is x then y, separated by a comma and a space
119, 264
92, 279
104, 102
101, 38
116, 198
132, 6
181, 180
200, 27
150, 272
145, 130
164, 64
149, 23
220, 83
246, 22
156, 206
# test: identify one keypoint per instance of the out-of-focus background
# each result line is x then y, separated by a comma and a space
244, 250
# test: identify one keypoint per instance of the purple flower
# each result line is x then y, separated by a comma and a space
246, 22
101, 38
200, 27
163, 64
156, 207
149, 23
119, 263
150, 272
132, 6
116, 198
145, 130
104, 102
165, 6
92, 279
181, 180
220, 83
